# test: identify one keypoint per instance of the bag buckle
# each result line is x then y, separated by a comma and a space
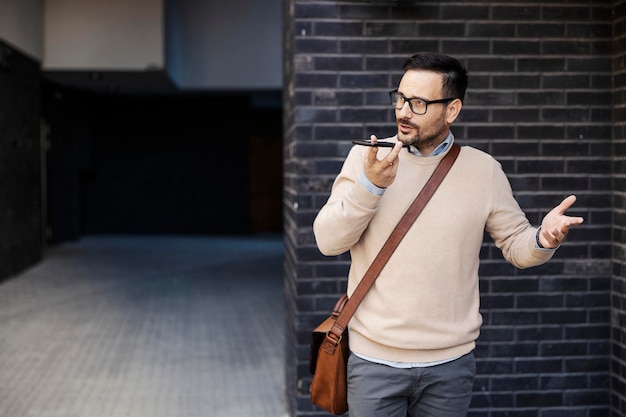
328, 335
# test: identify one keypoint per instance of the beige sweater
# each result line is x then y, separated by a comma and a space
424, 306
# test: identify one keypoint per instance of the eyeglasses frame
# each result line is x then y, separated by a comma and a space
408, 100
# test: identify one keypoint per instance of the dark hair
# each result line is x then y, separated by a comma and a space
454, 73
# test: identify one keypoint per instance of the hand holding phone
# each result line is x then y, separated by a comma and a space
381, 172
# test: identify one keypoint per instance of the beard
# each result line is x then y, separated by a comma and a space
423, 138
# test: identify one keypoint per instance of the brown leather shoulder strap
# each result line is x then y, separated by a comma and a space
394, 239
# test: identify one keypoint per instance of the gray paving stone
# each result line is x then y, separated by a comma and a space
146, 327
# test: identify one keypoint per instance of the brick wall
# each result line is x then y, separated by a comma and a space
539, 101
618, 294
20, 162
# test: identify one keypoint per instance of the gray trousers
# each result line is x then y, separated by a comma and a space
376, 390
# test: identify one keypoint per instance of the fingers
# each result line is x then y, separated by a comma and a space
395, 151
552, 238
549, 237
382, 172
390, 160
566, 204
556, 224
373, 152
567, 221
372, 155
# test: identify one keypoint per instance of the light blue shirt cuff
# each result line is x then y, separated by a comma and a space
365, 182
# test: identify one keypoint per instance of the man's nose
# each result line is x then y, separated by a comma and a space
405, 112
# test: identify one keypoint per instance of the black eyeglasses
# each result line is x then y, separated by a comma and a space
417, 105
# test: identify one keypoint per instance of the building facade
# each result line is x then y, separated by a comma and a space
546, 98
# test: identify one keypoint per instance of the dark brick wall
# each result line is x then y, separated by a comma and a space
540, 101
295, 349
20, 162
618, 293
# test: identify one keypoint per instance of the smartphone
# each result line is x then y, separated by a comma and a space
380, 143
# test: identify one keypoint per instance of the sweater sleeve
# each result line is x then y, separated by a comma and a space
348, 211
510, 229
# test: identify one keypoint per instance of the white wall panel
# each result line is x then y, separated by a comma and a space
21, 25
103, 35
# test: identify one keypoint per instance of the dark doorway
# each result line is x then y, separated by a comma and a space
162, 164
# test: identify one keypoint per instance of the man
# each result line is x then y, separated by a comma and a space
413, 336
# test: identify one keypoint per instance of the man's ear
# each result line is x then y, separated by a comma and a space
453, 109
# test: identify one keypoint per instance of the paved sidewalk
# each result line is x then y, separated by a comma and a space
145, 327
